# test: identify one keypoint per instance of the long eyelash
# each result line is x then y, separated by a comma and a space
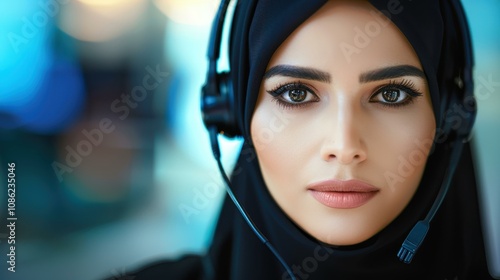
281, 88
286, 105
277, 91
409, 85
406, 85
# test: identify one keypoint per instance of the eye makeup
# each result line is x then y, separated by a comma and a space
293, 95
394, 94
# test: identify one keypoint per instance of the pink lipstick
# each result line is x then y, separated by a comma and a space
342, 194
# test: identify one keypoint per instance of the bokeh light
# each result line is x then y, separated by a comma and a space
190, 12
40, 91
98, 21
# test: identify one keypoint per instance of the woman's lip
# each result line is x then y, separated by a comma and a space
342, 186
342, 194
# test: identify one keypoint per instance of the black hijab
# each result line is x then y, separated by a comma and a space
453, 248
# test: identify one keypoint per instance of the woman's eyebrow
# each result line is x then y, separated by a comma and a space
298, 72
391, 72
322, 76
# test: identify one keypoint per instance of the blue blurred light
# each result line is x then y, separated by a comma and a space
484, 26
39, 92
59, 102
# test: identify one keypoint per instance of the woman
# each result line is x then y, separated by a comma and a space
349, 116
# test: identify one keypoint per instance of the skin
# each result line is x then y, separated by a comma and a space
342, 130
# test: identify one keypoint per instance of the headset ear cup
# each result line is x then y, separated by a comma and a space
218, 105
229, 127
468, 107
460, 109
217, 98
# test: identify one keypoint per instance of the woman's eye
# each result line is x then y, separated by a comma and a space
297, 95
294, 94
392, 96
395, 95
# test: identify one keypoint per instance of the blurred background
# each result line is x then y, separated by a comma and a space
99, 110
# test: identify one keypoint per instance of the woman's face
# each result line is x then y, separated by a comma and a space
344, 123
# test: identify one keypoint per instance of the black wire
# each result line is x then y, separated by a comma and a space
454, 160
419, 231
216, 150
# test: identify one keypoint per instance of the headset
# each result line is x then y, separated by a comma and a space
219, 116
457, 133
217, 98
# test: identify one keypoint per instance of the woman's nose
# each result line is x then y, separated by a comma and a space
343, 137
